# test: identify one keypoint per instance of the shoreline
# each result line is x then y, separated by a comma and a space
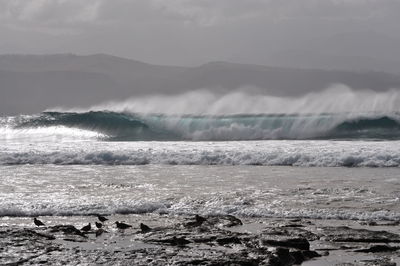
181, 240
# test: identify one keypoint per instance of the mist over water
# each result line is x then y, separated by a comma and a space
335, 113
335, 99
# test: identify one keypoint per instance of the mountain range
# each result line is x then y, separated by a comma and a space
32, 83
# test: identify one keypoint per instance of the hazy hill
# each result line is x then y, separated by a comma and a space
313, 60
32, 83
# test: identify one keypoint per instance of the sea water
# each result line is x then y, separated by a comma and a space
325, 166
250, 191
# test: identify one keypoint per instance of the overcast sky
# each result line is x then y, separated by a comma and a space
191, 32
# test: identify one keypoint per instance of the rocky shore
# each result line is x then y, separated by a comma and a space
197, 240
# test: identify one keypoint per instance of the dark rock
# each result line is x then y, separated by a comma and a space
284, 256
233, 221
34, 234
174, 241
67, 230
293, 225
298, 257
205, 239
347, 234
299, 243
172, 244
228, 240
309, 254
378, 248
294, 232
379, 262
74, 240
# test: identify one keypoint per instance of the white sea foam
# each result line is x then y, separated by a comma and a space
322, 193
337, 98
51, 134
283, 152
188, 206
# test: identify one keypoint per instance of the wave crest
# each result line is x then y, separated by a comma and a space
159, 127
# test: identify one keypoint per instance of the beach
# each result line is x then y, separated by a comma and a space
307, 201
192, 132
178, 240
289, 215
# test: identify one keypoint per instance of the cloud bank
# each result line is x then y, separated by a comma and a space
54, 13
189, 31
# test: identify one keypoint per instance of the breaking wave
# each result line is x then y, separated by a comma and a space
115, 126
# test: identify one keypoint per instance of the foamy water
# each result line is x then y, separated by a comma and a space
322, 193
305, 153
317, 156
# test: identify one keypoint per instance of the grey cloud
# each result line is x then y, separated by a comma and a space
208, 12
202, 13
42, 14
194, 31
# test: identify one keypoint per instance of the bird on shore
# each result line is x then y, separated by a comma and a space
233, 221
200, 219
100, 231
121, 225
86, 228
38, 222
144, 228
98, 225
102, 218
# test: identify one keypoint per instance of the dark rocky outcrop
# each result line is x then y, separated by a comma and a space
211, 242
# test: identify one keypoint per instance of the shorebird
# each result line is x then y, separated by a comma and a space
144, 228
122, 225
99, 232
200, 219
38, 222
102, 218
98, 225
233, 221
86, 228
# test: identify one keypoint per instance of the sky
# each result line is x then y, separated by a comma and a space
193, 32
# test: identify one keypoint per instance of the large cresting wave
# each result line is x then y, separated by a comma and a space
158, 127
335, 113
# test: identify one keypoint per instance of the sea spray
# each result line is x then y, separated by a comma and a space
140, 127
337, 98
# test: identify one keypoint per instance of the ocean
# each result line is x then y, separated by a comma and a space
323, 166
